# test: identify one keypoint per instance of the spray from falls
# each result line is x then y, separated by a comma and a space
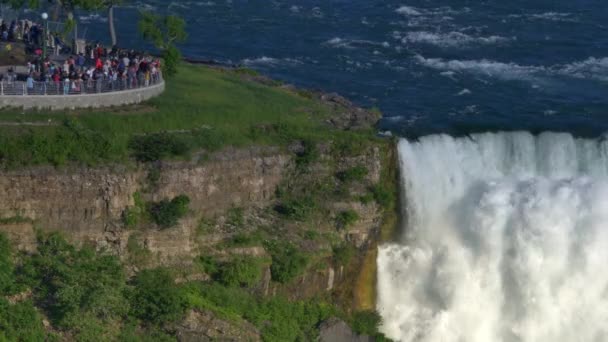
506, 239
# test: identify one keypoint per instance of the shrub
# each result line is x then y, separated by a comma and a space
245, 239
343, 253
311, 235
20, 322
384, 196
307, 155
354, 174
166, 213
296, 208
346, 218
156, 298
235, 217
205, 226
70, 282
171, 58
138, 254
156, 146
287, 261
241, 271
209, 265
366, 322
6, 266
132, 216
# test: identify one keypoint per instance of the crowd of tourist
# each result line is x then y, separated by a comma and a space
96, 69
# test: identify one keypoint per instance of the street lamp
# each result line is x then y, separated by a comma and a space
45, 17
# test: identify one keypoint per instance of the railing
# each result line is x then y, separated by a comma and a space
76, 87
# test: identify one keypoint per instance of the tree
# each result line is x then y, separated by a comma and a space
109, 5
164, 32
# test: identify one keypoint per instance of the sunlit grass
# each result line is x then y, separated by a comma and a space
238, 111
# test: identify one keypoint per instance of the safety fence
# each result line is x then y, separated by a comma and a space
76, 87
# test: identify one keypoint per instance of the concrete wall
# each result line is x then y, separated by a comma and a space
59, 102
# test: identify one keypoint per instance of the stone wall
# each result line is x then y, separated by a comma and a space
60, 102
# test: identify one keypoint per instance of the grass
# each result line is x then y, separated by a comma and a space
202, 108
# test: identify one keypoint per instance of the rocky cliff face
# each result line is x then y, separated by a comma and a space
88, 204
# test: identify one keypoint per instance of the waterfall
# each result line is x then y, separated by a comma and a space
505, 239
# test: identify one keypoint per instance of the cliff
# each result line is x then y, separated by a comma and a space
317, 197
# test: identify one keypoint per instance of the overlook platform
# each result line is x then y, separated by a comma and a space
53, 97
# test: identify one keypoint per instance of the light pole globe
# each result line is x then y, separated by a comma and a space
45, 16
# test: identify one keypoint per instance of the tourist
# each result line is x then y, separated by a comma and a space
66, 86
30, 83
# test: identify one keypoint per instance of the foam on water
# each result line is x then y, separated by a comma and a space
591, 69
506, 240
451, 39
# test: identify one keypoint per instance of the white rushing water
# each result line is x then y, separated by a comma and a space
506, 239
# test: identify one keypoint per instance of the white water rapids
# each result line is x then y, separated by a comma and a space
505, 239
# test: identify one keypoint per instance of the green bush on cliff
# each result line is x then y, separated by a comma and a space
287, 261
343, 253
346, 218
166, 213
242, 271
277, 318
20, 322
7, 282
298, 209
156, 146
72, 282
367, 323
155, 297
383, 195
354, 174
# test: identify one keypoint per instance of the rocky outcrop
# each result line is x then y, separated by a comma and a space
336, 330
202, 326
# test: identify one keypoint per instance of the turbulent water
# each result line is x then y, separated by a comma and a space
441, 66
505, 240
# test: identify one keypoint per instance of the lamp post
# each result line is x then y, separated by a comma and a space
45, 17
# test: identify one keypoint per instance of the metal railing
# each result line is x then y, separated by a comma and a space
76, 87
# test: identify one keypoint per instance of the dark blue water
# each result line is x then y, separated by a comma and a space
451, 66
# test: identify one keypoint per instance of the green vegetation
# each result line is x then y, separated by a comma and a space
202, 108
164, 33
242, 271
133, 215
343, 253
166, 213
155, 297
384, 195
20, 322
346, 218
278, 319
6, 266
138, 254
287, 261
354, 174
15, 220
156, 146
236, 217
367, 323
295, 208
